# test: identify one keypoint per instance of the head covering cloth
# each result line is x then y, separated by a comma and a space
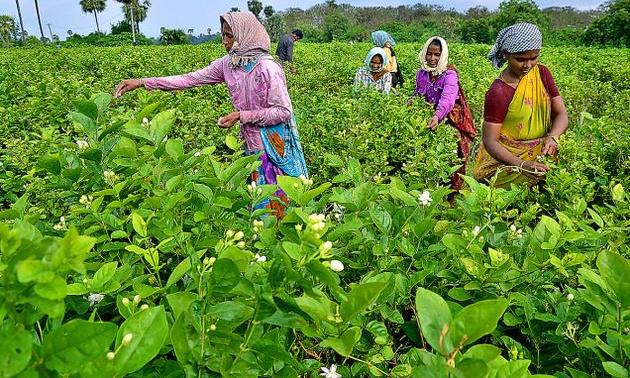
381, 38
375, 51
250, 37
442, 63
514, 39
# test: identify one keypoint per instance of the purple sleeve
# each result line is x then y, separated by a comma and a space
213, 74
449, 95
279, 107
420, 89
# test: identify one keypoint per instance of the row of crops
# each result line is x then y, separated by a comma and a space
129, 245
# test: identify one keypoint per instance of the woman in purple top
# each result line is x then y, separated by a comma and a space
438, 84
258, 90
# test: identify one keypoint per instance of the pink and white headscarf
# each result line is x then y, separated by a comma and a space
251, 38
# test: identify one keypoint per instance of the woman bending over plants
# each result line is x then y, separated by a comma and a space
373, 73
524, 114
438, 83
257, 88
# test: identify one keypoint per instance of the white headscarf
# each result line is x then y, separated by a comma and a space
442, 63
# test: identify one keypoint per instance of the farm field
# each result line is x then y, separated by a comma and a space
132, 217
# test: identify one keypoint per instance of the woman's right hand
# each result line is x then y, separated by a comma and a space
126, 86
533, 168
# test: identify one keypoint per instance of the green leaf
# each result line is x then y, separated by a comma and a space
476, 320
150, 330
161, 124
77, 343
139, 224
292, 186
50, 163
615, 370
85, 121
381, 219
173, 182
434, 316
87, 108
615, 270
308, 196
345, 344
317, 306
102, 101
483, 352
180, 302
225, 276
103, 275
231, 311
360, 298
232, 143
472, 368
16, 346
174, 149
53, 289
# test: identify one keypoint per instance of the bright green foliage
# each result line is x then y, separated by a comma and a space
160, 240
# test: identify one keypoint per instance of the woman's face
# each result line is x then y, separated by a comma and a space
376, 63
227, 35
520, 63
433, 55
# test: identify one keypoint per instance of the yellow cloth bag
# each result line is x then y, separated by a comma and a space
527, 122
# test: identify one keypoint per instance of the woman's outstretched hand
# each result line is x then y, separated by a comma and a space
433, 123
126, 86
229, 120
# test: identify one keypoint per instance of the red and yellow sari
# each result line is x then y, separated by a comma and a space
527, 122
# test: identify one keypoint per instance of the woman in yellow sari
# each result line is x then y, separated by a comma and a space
524, 114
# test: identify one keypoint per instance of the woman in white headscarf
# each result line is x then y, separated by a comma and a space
438, 83
373, 74
524, 114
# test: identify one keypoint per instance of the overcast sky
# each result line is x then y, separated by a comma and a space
199, 14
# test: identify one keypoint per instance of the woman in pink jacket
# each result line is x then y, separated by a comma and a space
258, 90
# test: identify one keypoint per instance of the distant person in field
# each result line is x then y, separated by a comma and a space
284, 51
385, 41
438, 83
524, 114
257, 87
373, 74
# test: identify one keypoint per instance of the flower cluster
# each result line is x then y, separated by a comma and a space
110, 177
316, 222
232, 237
305, 180
516, 231
86, 200
425, 198
251, 187
82, 144
61, 225
258, 225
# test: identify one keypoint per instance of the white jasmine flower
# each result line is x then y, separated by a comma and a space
513, 228
213, 327
125, 301
144, 306
476, 230
326, 246
95, 298
260, 258
330, 372
425, 198
570, 297
111, 356
239, 235
241, 244
82, 144
336, 265
145, 121
229, 233
197, 154
136, 299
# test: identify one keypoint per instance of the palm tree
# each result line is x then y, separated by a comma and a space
39, 19
7, 28
17, 3
93, 6
135, 14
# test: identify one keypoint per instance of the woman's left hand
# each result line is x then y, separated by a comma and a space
229, 120
433, 123
550, 146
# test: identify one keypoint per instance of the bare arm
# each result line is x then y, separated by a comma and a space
559, 124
